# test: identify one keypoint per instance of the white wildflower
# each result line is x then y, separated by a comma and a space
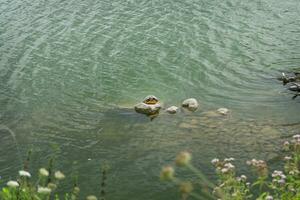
214, 161
229, 166
91, 197
44, 190
12, 184
281, 181
228, 159
269, 197
24, 173
59, 175
224, 170
44, 172
287, 158
296, 136
243, 177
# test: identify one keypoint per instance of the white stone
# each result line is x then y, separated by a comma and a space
191, 104
223, 111
172, 109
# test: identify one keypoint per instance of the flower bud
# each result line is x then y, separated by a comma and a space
167, 173
183, 158
91, 197
59, 175
52, 186
44, 172
186, 187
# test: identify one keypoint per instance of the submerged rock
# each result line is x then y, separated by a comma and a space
295, 87
223, 111
212, 113
190, 104
186, 125
172, 109
148, 109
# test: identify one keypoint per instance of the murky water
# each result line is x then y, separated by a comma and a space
72, 70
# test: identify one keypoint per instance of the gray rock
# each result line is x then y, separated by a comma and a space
190, 104
147, 109
172, 109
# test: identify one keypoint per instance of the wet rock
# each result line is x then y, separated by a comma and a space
172, 109
223, 111
191, 104
148, 109
295, 87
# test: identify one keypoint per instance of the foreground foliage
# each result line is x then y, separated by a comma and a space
45, 187
278, 185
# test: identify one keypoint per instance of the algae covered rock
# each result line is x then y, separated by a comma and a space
191, 104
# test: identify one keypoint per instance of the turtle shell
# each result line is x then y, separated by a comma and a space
151, 100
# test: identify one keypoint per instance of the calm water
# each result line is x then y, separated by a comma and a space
70, 72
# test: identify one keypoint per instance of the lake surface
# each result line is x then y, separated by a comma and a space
71, 72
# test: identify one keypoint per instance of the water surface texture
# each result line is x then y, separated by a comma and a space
71, 71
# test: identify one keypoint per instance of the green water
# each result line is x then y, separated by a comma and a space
71, 71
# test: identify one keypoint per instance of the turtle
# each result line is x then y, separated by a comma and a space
150, 100
149, 106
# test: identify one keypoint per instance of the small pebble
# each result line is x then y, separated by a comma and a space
223, 111
172, 109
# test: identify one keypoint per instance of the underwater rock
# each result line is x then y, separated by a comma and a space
223, 111
295, 87
191, 104
147, 109
172, 109
211, 114
186, 125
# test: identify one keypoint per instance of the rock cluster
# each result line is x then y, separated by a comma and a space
292, 81
151, 106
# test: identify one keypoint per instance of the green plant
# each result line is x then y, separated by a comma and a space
279, 185
45, 187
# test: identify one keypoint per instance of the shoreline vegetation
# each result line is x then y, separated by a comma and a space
277, 185
46, 187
